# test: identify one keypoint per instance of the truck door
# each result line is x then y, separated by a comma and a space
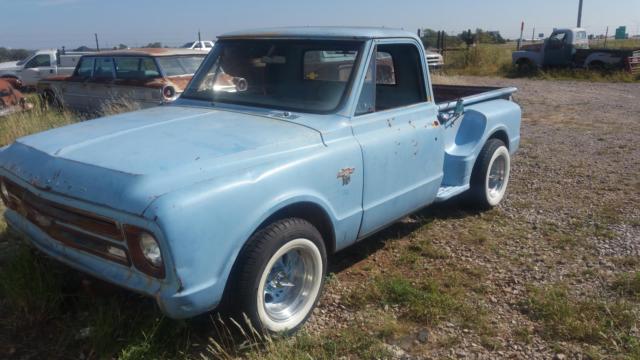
75, 90
396, 125
558, 50
39, 67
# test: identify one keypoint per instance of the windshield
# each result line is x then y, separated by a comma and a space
180, 65
298, 75
24, 61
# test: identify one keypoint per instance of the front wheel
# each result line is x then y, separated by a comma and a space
281, 276
490, 175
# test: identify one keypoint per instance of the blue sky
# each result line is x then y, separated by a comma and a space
54, 23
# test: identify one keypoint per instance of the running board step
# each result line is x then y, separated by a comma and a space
447, 192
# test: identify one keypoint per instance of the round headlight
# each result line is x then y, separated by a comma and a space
150, 249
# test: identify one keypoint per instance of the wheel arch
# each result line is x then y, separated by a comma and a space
311, 212
305, 209
500, 134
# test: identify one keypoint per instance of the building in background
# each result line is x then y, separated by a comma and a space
621, 33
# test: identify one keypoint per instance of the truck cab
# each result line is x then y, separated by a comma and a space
287, 146
41, 65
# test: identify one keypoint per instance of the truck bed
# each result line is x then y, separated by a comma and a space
446, 96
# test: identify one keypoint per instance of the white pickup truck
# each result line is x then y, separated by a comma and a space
199, 45
41, 65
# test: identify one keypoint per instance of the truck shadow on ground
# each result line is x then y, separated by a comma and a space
451, 209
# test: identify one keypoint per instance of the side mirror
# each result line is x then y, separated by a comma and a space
459, 110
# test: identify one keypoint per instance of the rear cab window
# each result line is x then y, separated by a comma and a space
323, 65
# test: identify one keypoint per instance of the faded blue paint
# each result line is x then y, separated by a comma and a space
204, 178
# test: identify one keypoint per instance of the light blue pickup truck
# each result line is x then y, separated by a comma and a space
287, 146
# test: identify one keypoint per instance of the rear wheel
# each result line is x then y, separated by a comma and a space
490, 176
281, 276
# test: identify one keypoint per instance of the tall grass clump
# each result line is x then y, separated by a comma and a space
608, 324
38, 119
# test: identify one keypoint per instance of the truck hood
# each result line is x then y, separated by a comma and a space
9, 66
126, 161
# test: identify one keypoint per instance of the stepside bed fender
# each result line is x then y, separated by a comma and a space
464, 141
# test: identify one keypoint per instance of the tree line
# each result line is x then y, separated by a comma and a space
430, 38
13, 54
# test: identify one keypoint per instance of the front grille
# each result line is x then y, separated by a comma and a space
73, 227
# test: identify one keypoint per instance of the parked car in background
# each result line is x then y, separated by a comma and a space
42, 64
242, 193
570, 48
435, 60
123, 79
11, 99
199, 45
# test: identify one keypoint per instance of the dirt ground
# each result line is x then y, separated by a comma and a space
571, 218
537, 277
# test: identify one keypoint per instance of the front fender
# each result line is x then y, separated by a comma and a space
207, 224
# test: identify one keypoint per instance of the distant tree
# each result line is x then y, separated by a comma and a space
154, 45
122, 46
430, 39
83, 48
489, 37
13, 54
468, 37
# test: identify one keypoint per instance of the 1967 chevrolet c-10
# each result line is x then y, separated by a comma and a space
287, 146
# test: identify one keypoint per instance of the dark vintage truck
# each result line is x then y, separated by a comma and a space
287, 146
570, 48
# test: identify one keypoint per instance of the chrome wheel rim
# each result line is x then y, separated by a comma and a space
497, 176
290, 285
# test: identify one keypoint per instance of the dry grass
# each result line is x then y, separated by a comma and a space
495, 60
38, 119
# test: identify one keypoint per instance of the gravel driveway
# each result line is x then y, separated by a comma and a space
571, 217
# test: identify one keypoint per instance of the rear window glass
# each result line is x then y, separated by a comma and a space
179, 65
323, 65
385, 70
85, 67
136, 68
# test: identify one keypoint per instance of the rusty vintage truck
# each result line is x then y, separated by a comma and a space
287, 146
11, 99
123, 79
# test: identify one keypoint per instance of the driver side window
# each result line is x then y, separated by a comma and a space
394, 79
39, 61
559, 37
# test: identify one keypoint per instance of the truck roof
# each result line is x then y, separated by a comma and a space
320, 32
148, 52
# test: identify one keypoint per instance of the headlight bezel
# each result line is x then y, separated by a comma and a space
134, 236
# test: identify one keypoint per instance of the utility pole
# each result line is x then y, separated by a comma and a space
521, 33
97, 43
580, 14
199, 38
533, 34
606, 35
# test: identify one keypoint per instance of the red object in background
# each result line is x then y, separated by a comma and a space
10, 97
